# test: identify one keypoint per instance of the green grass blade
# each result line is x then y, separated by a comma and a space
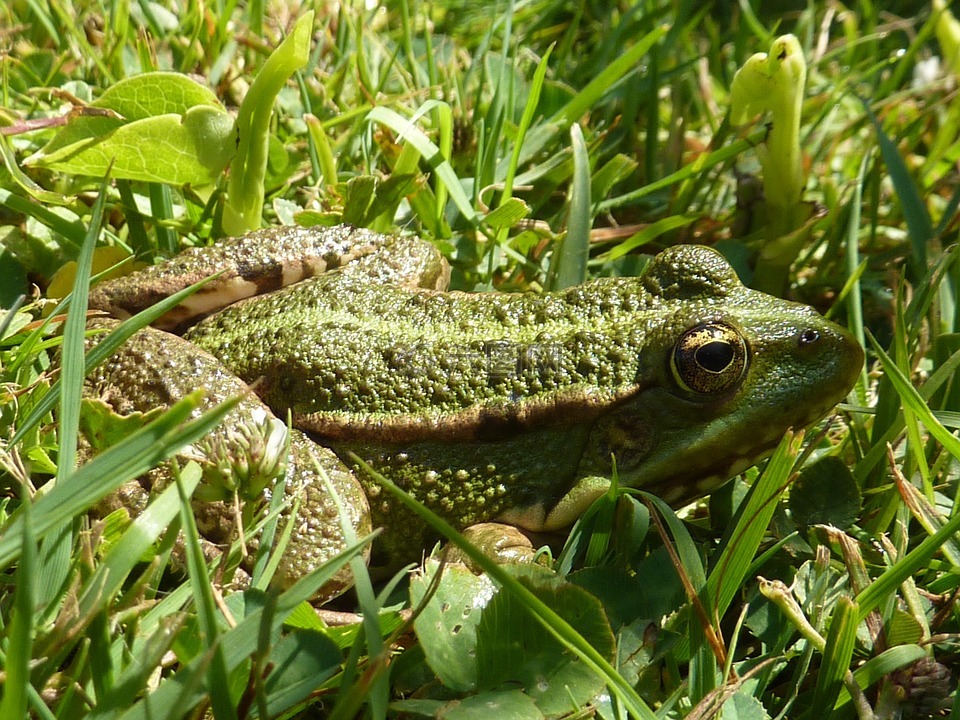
431, 153
925, 513
73, 232
185, 688
841, 639
35, 191
853, 300
71, 353
876, 453
134, 680
54, 558
571, 267
718, 156
161, 206
219, 685
914, 402
649, 234
915, 213
880, 589
109, 576
876, 668
321, 144
586, 99
19, 633
533, 100
741, 543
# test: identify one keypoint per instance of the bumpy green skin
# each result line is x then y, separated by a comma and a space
490, 405
508, 407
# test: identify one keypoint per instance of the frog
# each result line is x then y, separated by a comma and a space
502, 410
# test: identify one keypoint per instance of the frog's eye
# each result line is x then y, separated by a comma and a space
709, 358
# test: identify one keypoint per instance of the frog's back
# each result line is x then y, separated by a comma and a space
351, 357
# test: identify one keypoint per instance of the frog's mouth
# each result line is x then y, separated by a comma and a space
692, 448
698, 479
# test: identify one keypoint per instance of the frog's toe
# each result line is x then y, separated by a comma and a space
503, 543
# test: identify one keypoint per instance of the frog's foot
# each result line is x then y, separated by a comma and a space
503, 543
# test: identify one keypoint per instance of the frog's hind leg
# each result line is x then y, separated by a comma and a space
241, 458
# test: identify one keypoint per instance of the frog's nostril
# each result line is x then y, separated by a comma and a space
808, 337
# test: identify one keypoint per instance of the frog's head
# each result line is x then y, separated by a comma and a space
725, 374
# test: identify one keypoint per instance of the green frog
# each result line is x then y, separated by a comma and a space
504, 408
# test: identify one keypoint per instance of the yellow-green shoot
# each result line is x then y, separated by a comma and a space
772, 84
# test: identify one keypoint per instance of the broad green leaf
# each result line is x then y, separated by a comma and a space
507, 214
556, 625
825, 493
155, 127
512, 651
513, 704
173, 149
158, 93
903, 628
447, 625
743, 706
301, 661
25, 181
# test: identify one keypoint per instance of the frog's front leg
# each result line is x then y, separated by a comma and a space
562, 514
155, 369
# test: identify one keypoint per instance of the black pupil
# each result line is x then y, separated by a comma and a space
715, 356
809, 336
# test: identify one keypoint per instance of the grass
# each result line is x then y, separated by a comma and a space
534, 143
